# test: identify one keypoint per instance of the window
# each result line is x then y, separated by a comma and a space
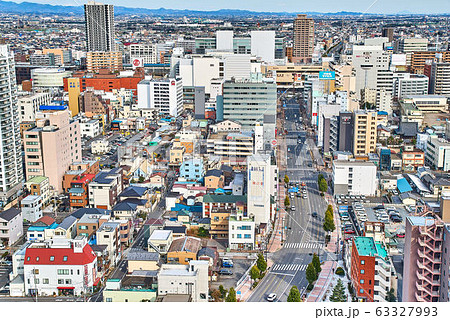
239, 236
37, 258
361, 290
52, 258
362, 271
36, 281
361, 281
63, 271
65, 258
247, 236
363, 262
108, 299
68, 281
45, 281
60, 281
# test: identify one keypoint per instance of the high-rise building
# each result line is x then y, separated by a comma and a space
165, 95
388, 33
99, 20
11, 173
365, 132
439, 73
109, 60
249, 102
303, 39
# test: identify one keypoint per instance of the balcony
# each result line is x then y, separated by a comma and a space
421, 277
436, 248
425, 289
437, 235
425, 255
425, 267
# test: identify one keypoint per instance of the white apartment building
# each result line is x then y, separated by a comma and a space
234, 144
105, 188
90, 128
241, 232
31, 208
11, 171
61, 266
49, 77
165, 95
354, 178
146, 52
109, 234
100, 146
437, 154
263, 45
262, 183
189, 279
29, 105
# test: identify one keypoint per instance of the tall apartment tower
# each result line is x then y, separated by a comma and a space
303, 39
388, 33
99, 19
365, 132
11, 172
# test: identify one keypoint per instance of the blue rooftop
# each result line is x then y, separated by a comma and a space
403, 186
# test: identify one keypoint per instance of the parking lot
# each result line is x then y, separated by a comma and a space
240, 266
4, 276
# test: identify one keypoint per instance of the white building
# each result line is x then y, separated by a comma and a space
100, 146
261, 187
29, 105
437, 154
263, 45
61, 266
165, 95
406, 84
224, 40
31, 208
11, 226
354, 178
105, 188
109, 234
10, 147
147, 52
49, 77
241, 232
189, 279
90, 128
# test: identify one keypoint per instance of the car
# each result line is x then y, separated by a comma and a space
305, 196
227, 264
271, 297
293, 208
400, 235
314, 214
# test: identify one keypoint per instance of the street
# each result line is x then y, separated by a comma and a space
304, 233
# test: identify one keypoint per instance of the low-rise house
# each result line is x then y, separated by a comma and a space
190, 279
160, 241
66, 267
140, 259
126, 210
109, 234
158, 179
31, 207
43, 229
214, 179
88, 224
11, 226
78, 192
104, 189
178, 231
67, 228
183, 250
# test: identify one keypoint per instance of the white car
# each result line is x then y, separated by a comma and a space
272, 297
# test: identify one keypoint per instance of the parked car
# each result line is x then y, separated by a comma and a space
225, 272
293, 208
227, 264
314, 214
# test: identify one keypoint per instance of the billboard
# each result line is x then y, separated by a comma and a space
137, 63
327, 75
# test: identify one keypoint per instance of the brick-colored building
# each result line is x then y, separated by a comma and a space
77, 169
78, 192
418, 59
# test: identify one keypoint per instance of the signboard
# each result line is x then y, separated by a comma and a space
327, 75
137, 63
274, 142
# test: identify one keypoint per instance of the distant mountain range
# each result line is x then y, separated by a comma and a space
38, 8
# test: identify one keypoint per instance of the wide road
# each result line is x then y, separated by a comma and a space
304, 233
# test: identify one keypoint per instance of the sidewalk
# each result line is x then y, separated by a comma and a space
328, 268
246, 286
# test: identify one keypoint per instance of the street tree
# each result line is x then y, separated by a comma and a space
328, 224
316, 263
320, 177
311, 273
231, 297
294, 295
286, 179
287, 202
223, 291
261, 263
323, 186
338, 294
254, 273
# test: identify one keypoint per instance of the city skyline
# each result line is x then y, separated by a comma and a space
288, 6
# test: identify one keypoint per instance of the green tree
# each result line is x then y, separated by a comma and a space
294, 295
231, 297
255, 273
202, 232
323, 186
287, 202
391, 296
316, 263
216, 295
338, 294
223, 291
141, 179
261, 263
320, 177
328, 224
286, 179
311, 273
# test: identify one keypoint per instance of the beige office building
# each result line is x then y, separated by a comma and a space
111, 60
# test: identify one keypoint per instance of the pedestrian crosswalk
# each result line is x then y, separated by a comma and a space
304, 245
289, 267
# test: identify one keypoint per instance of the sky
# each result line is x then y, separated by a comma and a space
366, 6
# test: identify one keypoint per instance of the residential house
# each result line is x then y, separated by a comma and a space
109, 234
31, 207
78, 192
104, 189
67, 228
183, 250
43, 229
39, 186
88, 224
138, 286
140, 259
11, 226
160, 241
214, 179
192, 168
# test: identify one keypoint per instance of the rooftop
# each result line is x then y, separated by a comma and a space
367, 246
37, 179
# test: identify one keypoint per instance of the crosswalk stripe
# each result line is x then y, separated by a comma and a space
304, 245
